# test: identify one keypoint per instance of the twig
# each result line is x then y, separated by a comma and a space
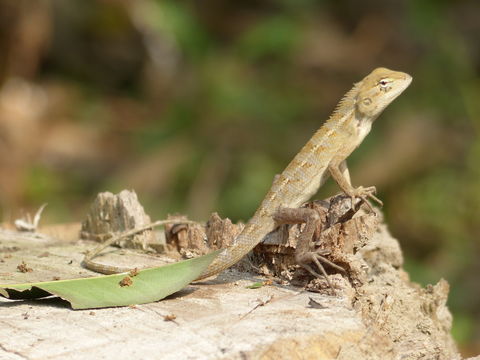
87, 260
260, 303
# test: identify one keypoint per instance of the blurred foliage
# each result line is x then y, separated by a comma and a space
196, 105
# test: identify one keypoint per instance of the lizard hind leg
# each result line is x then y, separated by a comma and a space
304, 252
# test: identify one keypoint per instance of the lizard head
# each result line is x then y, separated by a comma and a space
378, 89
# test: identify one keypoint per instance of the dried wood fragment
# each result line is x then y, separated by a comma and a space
187, 239
198, 239
111, 214
221, 232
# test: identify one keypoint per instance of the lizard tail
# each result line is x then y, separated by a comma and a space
251, 235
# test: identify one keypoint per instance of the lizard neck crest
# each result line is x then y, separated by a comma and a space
347, 103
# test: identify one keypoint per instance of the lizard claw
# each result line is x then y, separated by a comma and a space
317, 258
365, 193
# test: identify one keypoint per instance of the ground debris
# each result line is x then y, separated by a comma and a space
126, 281
27, 223
171, 318
22, 267
316, 305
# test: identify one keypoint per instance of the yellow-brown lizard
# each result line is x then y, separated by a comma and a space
323, 155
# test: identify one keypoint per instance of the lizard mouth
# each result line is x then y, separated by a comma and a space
403, 82
408, 79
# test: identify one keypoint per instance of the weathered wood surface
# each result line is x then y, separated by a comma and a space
387, 318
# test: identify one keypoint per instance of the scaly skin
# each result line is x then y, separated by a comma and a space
323, 155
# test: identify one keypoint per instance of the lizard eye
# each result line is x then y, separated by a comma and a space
383, 82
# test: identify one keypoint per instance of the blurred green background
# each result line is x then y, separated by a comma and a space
197, 104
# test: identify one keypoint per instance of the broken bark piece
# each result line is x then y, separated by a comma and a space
111, 214
196, 239
221, 232
186, 239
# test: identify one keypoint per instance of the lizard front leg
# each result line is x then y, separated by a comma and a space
304, 254
340, 174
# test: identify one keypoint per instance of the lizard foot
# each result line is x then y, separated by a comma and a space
317, 257
365, 193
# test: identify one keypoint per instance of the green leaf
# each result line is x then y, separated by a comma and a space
146, 286
255, 285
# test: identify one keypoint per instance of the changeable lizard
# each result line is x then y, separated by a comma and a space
323, 155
